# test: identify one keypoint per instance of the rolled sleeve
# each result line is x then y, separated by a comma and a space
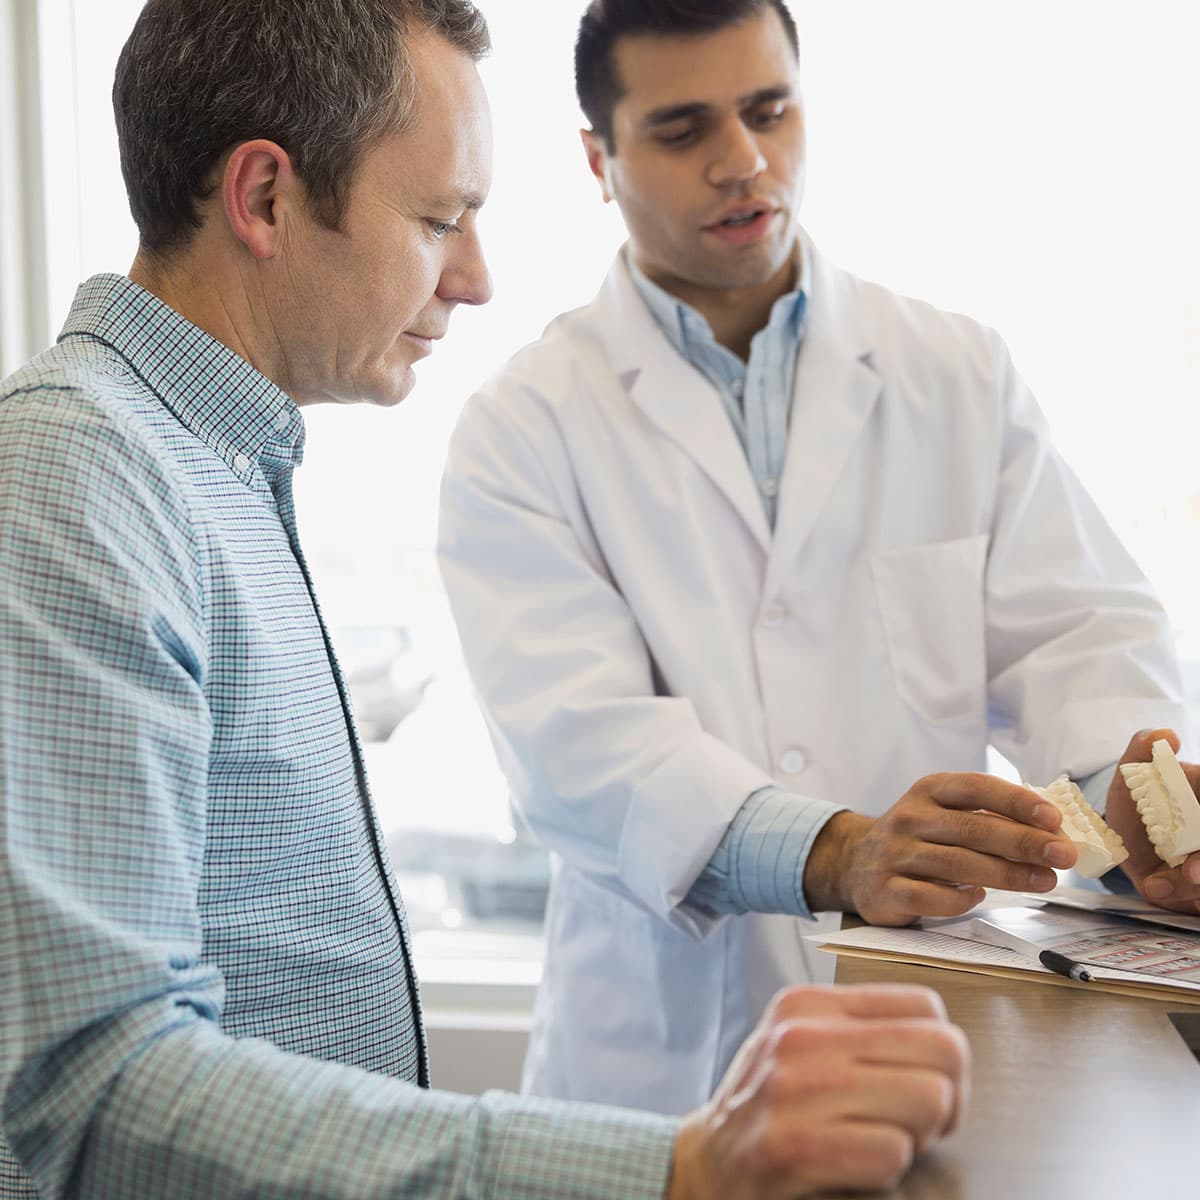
759, 864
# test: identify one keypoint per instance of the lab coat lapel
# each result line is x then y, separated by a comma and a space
677, 398
836, 390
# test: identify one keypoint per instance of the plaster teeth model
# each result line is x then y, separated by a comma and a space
1098, 847
1166, 803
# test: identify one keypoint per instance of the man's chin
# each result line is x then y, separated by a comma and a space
753, 269
390, 391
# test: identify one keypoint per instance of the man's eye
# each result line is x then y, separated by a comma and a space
441, 228
674, 138
765, 118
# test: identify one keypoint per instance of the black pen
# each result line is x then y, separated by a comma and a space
1060, 964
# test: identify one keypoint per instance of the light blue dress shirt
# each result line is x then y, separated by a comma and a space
759, 864
757, 394
205, 976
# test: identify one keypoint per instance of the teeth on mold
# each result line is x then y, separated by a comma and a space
1099, 848
1166, 803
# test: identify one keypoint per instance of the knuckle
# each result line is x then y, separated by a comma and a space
781, 1005
801, 1000
787, 1147
942, 861
892, 1157
795, 1039
906, 818
926, 998
971, 786
955, 1045
791, 1039
918, 1001
1030, 845
961, 903
1016, 877
971, 829
902, 893
806, 1057
934, 1101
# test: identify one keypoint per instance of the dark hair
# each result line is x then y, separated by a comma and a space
325, 79
607, 21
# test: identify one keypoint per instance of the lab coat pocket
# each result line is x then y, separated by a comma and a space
931, 605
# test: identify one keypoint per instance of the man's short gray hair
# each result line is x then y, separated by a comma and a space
325, 79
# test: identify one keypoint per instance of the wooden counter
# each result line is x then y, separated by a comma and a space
1074, 1095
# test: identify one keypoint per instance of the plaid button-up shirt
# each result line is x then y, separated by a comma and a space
205, 983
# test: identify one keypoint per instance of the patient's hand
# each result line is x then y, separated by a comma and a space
837, 1088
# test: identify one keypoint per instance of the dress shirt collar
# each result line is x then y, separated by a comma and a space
212, 391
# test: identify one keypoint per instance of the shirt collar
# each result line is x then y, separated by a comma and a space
685, 325
213, 392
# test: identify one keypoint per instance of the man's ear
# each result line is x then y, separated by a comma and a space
599, 162
260, 189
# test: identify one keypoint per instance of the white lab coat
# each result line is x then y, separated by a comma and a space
648, 654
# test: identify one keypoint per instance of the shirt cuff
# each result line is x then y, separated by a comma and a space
759, 864
585, 1151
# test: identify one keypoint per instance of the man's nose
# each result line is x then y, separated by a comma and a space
466, 278
738, 157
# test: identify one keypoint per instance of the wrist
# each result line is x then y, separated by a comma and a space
688, 1179
827, 876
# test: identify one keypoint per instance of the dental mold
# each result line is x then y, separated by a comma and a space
1166, 803
1099, 848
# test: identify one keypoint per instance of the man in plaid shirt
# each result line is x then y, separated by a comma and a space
205, 976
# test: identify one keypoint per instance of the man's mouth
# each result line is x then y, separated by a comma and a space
744, 226
747, 218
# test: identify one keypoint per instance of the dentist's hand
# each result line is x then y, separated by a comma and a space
837, 1088
1177, 888
935, 850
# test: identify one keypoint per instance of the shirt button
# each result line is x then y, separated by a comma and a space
241, 464
283, 420
737, 388
793, 762
770, 487
775, 615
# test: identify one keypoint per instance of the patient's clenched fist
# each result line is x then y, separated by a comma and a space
836, 1088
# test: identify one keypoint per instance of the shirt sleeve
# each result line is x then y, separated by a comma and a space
759, 864
1080, 652
116, 1078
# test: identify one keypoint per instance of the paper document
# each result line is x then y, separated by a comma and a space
923, 945
1133, 907
940, 948
1112, 943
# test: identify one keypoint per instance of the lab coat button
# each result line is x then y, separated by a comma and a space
793, 762
775, 615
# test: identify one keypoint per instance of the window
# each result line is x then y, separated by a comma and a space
1028, 163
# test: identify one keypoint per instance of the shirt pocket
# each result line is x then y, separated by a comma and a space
932, 608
